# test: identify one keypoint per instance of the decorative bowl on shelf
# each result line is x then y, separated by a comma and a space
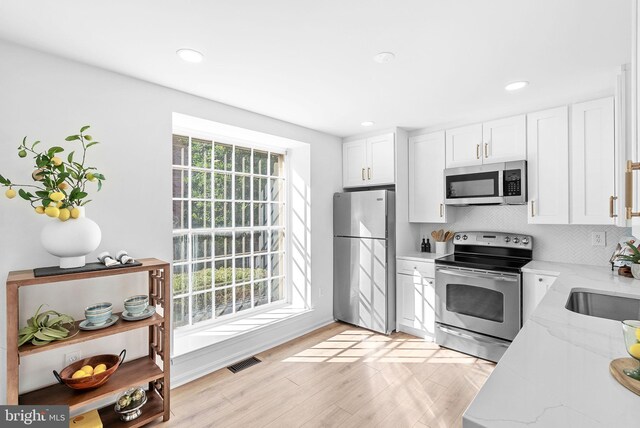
99, 313
67, 376
135, 305
129, 404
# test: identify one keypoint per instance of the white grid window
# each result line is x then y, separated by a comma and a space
228, 229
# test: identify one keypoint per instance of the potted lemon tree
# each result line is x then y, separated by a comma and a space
633, 257
60, 190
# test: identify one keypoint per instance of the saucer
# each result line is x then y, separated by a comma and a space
86, 325
149, 311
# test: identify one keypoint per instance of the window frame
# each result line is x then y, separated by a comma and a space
189, 232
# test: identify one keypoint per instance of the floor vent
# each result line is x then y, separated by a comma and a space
244, 364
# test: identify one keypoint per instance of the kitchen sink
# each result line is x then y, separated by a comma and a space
597, 304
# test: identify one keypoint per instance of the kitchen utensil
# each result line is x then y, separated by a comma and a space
111, 361
441, 235
434, 235
617, 368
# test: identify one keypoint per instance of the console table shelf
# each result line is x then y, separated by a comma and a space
131, 373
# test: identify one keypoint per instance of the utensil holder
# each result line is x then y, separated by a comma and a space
441, 248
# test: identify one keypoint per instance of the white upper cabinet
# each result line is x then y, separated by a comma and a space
504, 140
464, 146
501, 140
369, 162
426, 179
592, 162
381, 160
547, 164
354, 161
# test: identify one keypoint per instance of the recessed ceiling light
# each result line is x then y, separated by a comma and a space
190, 55
367, 123
384, 57
514, 86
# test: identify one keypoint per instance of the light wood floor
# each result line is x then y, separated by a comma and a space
337, 376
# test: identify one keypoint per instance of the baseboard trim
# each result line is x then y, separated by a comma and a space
205, 367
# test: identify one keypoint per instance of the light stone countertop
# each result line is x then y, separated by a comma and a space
556, 372
421, 257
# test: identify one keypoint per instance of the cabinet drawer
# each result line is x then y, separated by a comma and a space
409, 267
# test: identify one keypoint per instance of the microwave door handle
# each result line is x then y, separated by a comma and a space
501, 183
478, 275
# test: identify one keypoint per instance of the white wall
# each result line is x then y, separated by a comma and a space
48, 98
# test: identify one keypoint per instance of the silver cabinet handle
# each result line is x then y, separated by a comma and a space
486, 150
441, 210
369, 173
478, 275
362, 174
532, 209
477, 151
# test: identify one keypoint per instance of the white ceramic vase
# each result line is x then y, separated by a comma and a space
635, 270
71, 240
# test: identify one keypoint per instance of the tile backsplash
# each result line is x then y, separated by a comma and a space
556, 243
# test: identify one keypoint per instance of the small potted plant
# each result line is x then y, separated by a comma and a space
60, 190
633, 257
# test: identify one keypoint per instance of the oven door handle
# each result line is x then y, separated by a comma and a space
468, 336
478, 275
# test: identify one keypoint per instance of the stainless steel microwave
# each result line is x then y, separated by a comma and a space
502, 183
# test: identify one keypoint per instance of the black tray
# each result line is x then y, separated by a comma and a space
89, 267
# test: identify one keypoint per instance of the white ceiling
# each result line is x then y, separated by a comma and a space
310, 62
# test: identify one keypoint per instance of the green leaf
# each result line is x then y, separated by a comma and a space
99, 185
42, 193
82, 195
88, 137
42, 161
99, 176
70, 157
53, 150
46, 202
85, 203
4, 181
72, 138
24, 195
36, 342
35, 144
24, 339
92, 144
84, 128
24, 140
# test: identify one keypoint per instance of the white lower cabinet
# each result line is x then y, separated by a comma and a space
415, 300
534, 287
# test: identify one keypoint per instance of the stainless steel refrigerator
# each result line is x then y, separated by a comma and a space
364, 290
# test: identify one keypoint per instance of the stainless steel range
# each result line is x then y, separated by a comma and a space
479, 292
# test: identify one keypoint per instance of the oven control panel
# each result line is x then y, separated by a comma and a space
494, 239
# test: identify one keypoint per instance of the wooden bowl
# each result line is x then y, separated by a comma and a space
111, 361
